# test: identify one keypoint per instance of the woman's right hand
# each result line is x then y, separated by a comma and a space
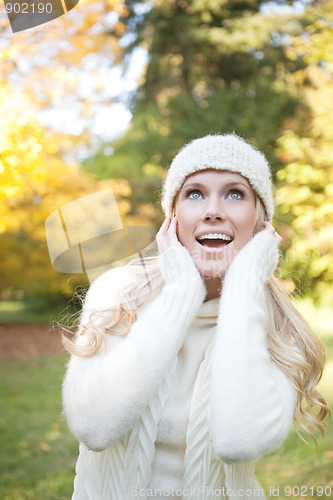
167, 235
176, 261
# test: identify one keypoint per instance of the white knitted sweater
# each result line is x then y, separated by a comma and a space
225, 400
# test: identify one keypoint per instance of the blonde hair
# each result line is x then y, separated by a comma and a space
292, 344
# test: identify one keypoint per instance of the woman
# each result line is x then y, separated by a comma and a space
186, 370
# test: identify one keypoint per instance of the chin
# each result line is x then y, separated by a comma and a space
211, 270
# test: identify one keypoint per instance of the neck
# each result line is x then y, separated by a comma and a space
213, 288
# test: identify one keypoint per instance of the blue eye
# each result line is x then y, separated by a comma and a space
194, 194
235, 194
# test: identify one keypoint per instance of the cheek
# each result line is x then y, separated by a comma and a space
183, 233
248, 228
245, 226
184, 225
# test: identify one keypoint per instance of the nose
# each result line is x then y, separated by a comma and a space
214, 209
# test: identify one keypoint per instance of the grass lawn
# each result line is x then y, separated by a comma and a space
296, 469
38, 454
16, 311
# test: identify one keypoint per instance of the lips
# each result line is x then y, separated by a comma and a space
214, 240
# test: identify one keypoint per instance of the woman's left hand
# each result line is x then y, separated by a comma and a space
268, 226
259, 256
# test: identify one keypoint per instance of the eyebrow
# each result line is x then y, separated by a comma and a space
226, 185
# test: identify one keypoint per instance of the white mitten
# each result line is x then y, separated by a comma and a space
252, 401
178, 265
257, 259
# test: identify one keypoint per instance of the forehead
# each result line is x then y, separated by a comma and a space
219, 176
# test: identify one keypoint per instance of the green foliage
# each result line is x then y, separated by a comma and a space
35, 179
28, 311
214, 67
305, 183
217, 67
34, 183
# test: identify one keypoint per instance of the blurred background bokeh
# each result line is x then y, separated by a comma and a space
103, 97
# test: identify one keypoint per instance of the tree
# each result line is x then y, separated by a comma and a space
233, 66
305, 183
45, 69
213, 67
35, 181
66, 65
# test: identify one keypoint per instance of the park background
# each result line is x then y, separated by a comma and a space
103, 97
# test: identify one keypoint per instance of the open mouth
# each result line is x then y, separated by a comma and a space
214, 240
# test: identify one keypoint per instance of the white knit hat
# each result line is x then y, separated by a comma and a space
222, 152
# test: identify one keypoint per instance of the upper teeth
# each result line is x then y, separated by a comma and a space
215, 236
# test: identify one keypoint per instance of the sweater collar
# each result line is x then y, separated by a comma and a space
209, 309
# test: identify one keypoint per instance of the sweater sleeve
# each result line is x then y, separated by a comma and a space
252, 400
103, 395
